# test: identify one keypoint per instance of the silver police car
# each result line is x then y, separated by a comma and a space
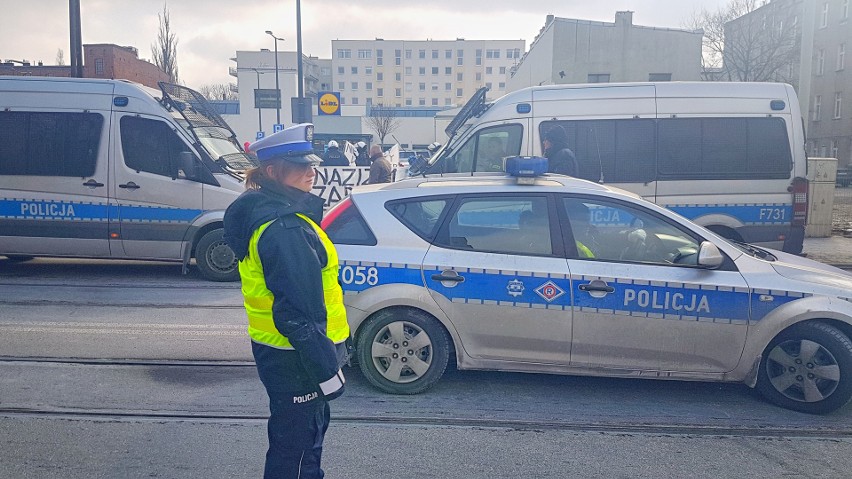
544, 273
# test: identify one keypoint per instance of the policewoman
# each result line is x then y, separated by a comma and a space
297, 322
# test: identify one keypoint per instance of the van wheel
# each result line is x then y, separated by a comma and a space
215, 259
807, 368
402, 351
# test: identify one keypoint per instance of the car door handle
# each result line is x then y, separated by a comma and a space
448, 275
93, 184
129, 185
599, 286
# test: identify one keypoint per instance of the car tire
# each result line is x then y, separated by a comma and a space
807, 368
215, 259
419, 342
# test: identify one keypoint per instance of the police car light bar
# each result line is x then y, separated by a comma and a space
526, 168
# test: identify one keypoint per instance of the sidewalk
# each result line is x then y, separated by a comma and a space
834, 250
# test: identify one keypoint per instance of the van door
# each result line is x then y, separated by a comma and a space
53, 183
156, 203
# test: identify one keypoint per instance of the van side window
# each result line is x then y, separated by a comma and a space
724, 148
485, 150
150, 146
49, 143
611, 150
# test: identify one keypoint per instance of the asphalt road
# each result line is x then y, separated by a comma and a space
132, 370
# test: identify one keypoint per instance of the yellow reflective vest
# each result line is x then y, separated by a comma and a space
259, 299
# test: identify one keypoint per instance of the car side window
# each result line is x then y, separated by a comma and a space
613, 231
150, 146
513, 225
350, 228
420, 216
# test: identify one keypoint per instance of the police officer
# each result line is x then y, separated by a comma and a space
363, 158
297, 322
333, 156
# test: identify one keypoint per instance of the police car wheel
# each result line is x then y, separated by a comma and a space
402, 351
807, 368
214, 258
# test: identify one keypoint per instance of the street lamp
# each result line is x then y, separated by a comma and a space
277, 89
259, 120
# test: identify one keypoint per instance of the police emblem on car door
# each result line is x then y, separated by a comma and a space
497, 271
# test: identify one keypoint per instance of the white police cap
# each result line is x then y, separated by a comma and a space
292, 144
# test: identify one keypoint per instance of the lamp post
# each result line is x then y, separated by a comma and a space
259, 120
277, 88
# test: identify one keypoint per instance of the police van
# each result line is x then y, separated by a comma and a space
729, 156
112, 169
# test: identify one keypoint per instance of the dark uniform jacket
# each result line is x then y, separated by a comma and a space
334, 157
561, 160
292, 256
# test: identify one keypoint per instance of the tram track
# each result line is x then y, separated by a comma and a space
431, 421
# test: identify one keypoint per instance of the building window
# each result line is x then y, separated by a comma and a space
380, 92
421, 54
459, 61
833, 148
409, 86
448, 70
448, 86
408, 102
820, 61
479, 57
380, 76
364, 54
434, 53
368, 70
397, 53
838, 104
355, 100
841, 56
659, 77
397, 61
434, 70
817, 107
368, 85
397, 76
478, 76
459, 92
99, 66
598, 78
379, 61
448, 54
492, 54
344, 53
354, 85
354, 70
421, 102
341, 70
489, 70
422, 71
459, 76
513, 53
844, 10
398, 92
408, 70
434, 102
502, 70
434, 87
501, 85
488, 85
341, 85
422, 86
823, 22
448, 101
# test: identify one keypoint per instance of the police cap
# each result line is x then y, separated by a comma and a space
292, 144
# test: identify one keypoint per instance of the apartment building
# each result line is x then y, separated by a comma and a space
567, 50
420, 73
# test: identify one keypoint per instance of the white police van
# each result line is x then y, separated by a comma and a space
730, 156
554, 274
112, 169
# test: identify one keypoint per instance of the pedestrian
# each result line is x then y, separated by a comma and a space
296, 318
381, 170
560, 158
363, 158
333, 156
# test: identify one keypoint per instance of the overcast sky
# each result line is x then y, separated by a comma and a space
209, 32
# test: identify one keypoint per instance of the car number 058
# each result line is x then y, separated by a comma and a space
359, 275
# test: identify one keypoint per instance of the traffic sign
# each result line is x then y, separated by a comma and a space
277, 127
259, 135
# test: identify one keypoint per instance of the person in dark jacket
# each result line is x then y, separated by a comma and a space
381, 170
560, 158
363, 158
297, 321
333, 156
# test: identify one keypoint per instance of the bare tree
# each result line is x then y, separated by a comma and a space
751, 40
60, 57
383, 121
220, 91
164, 51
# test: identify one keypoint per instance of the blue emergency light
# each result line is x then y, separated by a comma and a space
526, 168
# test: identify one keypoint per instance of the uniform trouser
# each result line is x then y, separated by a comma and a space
298, 415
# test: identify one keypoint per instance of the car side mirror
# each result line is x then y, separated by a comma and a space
186, 166
709, 255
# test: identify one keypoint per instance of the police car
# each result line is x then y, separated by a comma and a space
534, 272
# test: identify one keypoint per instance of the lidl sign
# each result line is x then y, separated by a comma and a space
329, 103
